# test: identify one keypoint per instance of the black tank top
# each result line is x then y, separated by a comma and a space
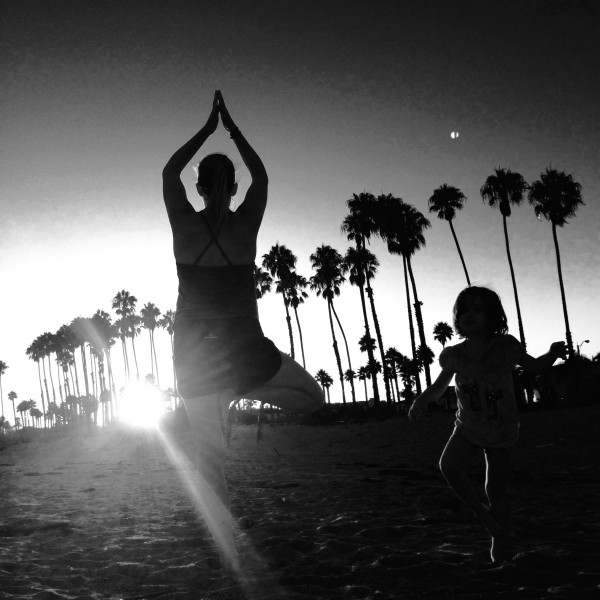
215, 292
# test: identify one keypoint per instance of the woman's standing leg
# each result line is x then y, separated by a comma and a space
205, 416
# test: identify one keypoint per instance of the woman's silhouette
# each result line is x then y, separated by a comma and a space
221, 353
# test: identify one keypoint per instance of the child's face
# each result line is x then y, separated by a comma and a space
472, 320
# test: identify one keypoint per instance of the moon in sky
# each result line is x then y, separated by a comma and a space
454, 135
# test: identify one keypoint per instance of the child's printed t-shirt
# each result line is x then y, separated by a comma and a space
487, 408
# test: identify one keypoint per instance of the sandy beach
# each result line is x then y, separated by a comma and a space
353, 510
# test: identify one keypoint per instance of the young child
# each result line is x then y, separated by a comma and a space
487, 416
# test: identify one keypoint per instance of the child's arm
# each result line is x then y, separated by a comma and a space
545, 361
432, 393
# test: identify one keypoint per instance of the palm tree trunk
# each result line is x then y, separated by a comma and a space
300, 334
125, 357
155, 360
66, 382
336, 352
366, 392
562, 294
151, 353
137, 369
76, 374
111, 382
462, 260
72, 368
376, 398
347, 351
85, 372
289, 324
397, 388
411, 326
419, 316
51, 381
514, 283
45, 382
386, 375
60, 386
173, 361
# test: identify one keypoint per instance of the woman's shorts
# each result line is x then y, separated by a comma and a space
214, 355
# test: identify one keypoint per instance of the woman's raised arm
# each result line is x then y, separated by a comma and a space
173, 190
252, 161
255, 202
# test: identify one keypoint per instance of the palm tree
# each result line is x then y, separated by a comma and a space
329, 269
442, 333
68, 344
393, 358
104, 335
149, 314
124, 305
296, 284
366, 343
81, 328
52, 414
425, 356
357, 261
363, 375
280, 261
373, 368
48, 342
350, 376
166, 322
36, 415
411, 326
12, 396
401, 226
556, 196
3, 367
34, 353
359, 225
445, 201
23, 407
324, 378
503, 189
122, 329
263, 282
133, 327
55, 346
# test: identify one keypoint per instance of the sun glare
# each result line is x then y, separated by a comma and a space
141, 405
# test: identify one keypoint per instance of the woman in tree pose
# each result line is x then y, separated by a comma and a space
486, 418
221, 353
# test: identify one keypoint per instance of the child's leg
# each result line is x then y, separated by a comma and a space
498, 466
454, 461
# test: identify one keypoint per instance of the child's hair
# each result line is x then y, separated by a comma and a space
495, 316
216, 176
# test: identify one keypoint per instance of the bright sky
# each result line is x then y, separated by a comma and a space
337, 98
